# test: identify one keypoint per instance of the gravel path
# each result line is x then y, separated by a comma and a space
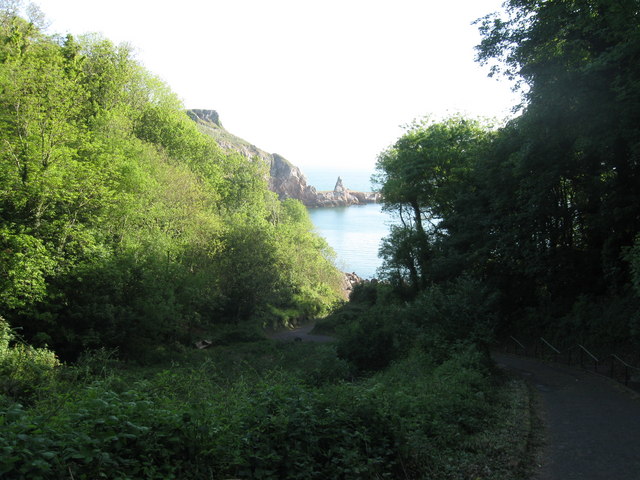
592, 423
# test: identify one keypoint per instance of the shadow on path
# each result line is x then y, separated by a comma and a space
592, 423
300, 333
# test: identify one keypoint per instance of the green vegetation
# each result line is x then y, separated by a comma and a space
254, 410
125, 233
544, 211
23, 369
121, 225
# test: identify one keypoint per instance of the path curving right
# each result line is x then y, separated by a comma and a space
592, 423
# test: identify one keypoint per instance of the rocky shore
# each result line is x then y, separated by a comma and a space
341, 197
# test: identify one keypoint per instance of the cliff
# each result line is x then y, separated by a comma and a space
285, 179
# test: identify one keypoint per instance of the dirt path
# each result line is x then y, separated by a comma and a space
592, 423
300, 333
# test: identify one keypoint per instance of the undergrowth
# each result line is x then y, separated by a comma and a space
397, 397
263, 411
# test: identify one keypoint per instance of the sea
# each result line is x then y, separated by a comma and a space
325, 178
354, 232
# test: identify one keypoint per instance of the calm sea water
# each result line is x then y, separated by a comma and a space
323, 179
354, 233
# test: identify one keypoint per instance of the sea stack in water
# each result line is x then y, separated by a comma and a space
342, 197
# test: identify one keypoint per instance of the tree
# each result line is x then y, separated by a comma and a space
579, 61
123, 225
425, 172
560, 190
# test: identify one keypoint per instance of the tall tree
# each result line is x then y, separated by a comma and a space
425, 172
580, 138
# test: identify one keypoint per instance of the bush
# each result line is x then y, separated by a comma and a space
371, 336
377, 337
342, 316
609, 323
298, 433
416, 419
277, 429
461, 311
126, 435
23, 369
364, 292
321, 365
435, 409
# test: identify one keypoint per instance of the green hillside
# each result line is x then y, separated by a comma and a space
121, 225
209, 123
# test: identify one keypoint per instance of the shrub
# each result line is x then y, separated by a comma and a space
378, 336
460, 311
23, 368
341, 317
364, 292
416, 419
125, 434
435, 408
276, 429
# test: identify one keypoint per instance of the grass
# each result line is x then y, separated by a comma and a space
509, 446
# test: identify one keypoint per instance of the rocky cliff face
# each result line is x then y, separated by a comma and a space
205, 116
288, 181
285, 179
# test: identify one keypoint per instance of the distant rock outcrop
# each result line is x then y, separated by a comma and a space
349, 281
205, 116
209, 123
285, 179
341, 197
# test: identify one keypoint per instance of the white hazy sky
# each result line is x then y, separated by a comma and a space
321, 82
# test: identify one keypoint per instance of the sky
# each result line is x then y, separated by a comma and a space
325, 83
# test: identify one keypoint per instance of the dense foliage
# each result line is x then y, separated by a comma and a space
121, 225
543, 212
257, 411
